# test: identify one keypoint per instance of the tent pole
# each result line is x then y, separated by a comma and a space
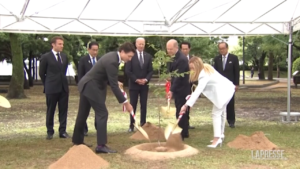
243, 60
289, 72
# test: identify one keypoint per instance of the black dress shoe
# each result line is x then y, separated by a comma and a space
130, 130
191, 127
49, 136
104, 149
231, 126
64, 135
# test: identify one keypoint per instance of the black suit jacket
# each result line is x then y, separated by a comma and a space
104, 71
231, 71
53, 73
135, 71
85, 64
180, 86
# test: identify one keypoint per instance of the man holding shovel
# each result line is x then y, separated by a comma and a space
93, 89
180, 86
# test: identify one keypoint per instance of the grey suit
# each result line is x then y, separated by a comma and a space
92, 88
85, 65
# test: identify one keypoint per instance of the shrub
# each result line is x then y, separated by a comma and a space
296, 65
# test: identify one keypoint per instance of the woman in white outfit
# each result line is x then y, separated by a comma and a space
217, 89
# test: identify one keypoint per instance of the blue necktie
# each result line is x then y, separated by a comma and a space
94, 61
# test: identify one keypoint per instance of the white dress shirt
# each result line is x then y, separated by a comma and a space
91, 58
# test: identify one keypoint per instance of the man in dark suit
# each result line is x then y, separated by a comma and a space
52, 70
185, 49
180, 86
228, 65
139, 71
93, 89
85, 64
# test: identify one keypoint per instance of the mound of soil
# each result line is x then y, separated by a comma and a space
79, 157
171, 149
257, 141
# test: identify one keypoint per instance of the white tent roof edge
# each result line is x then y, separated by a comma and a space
181, 18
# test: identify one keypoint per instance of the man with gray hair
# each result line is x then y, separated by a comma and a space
139, 70
180, 86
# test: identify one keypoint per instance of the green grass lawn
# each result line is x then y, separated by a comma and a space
23, 132
283, 74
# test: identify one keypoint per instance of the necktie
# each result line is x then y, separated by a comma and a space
141, 59
94, 61
224, 62
59, 58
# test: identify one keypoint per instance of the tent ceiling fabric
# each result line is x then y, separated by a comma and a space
150, 17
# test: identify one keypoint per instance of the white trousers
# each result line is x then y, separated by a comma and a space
219, 118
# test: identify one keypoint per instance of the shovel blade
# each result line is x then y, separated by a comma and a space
177, 130
4, 102
140, 129
168, 130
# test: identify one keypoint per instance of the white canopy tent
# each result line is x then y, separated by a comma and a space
153, 17
149, 17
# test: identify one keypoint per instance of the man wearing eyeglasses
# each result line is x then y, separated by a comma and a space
227, 65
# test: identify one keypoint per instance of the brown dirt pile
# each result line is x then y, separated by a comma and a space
162, 151
257, 141
153, 131
79, 157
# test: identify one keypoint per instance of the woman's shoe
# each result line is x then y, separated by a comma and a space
222, 137
218, 142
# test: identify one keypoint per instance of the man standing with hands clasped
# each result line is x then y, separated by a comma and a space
53, 68
227, 65
139, 71
93, 89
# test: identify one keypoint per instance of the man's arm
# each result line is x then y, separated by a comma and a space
236, 71
67, 62
112, 74
215, 63
81, 69
128, 71
43, 68
150, 69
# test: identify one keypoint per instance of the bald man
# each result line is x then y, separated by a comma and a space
139, 70
180, 86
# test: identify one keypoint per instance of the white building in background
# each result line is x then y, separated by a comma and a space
6, 69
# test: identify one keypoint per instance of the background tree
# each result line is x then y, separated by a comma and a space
16, 89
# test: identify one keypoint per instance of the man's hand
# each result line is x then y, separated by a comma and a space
120, 84
183, 109
236, 88
141, 81
169, 95
128, 107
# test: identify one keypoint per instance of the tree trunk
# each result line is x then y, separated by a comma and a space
270, 66
16, 88
261, 63
278, 71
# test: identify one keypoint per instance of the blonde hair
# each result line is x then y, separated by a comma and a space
198, 67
